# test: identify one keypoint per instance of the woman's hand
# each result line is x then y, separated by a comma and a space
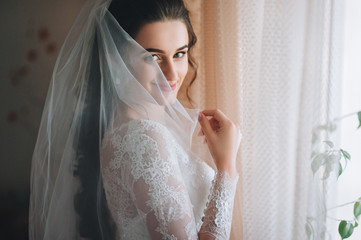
223, 138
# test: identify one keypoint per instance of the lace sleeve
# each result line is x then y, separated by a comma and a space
217, 218
145, 169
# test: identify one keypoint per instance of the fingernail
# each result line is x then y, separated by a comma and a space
200, 116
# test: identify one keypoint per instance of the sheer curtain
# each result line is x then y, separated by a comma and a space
273, 66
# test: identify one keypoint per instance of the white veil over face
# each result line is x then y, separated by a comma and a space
102, 80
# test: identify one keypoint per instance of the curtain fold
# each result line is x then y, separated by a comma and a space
274, 67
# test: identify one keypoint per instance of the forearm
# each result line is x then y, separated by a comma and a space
217, 218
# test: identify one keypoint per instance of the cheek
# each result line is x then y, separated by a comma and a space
145, 73
183, 70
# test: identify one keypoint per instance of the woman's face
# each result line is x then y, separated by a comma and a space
167, 44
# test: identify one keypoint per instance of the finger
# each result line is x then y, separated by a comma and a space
214, 124
216, 113
219, 116
205, 125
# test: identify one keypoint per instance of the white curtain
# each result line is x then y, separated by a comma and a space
274, 67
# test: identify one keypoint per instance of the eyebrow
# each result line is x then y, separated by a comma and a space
161, 51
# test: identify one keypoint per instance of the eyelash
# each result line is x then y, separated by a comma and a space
150, 58
183, 54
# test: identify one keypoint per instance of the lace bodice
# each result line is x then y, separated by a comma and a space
154, 190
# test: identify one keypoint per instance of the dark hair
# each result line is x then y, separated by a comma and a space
95, 220
134, 14
90, 202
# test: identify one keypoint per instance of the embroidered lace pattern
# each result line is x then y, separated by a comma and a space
148, 190
218, 214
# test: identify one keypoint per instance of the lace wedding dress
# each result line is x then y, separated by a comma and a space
91, 163
155, 191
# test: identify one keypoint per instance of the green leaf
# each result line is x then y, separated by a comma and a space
309, 230
339, 169
356, 224
359, 119
345, 154
318, 161
334, 156
357, 210
345, 229
328, 170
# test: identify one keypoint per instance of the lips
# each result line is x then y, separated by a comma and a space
173, 85
165, 87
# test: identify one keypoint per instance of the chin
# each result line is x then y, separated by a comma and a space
171, 99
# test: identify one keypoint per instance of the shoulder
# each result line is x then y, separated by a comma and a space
140, 146
136, 134
142, 126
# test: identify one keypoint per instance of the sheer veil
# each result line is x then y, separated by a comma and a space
102, 80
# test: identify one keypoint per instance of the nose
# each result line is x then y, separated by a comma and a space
169, 70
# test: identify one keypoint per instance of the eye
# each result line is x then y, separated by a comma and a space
179, 54
151, 58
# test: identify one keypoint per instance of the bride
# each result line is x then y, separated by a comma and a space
114, 158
